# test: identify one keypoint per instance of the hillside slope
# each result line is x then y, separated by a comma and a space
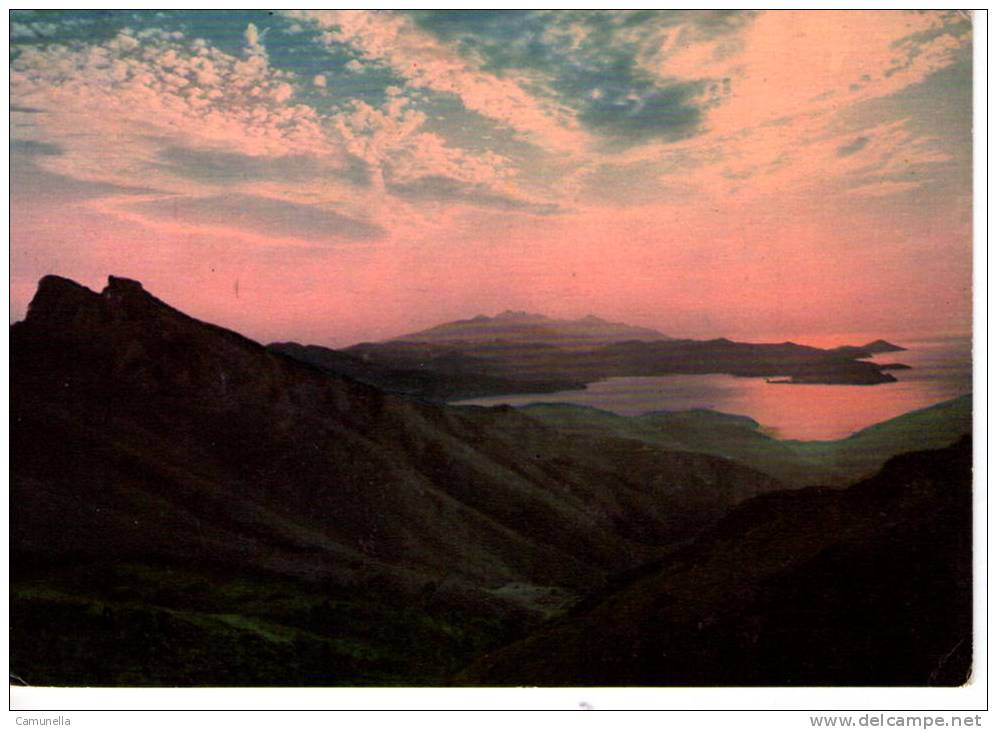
871, 585
143, 440
740, 439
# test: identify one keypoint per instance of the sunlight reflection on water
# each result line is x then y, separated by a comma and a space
941, 370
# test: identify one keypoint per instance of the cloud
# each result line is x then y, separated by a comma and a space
111, 105
26, 27
652, 113
124, 92
527, 112
32, 30
390, 140
231, 169
146, 108
262, 216
253, 38
424, 62
717, 151
792, 96
852, 147
31, 147
30, 183
598, 65
794, 63
884, 188
446, 189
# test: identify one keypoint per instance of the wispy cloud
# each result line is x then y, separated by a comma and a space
395, 41
447, 189
649, 153
154, 105
229, 169
850, 148
262, 216
884, 188
730, 97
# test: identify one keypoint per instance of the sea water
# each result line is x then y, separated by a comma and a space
941, 369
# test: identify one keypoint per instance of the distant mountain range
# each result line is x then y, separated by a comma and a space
517, 352
526, 328
189, 507
877, 347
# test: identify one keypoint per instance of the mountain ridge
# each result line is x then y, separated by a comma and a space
523, 352
528, 327
141, 436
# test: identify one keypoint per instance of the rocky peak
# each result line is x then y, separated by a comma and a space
58, 300
62, 305
121, 285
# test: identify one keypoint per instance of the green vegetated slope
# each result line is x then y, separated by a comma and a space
158, 623
739, 438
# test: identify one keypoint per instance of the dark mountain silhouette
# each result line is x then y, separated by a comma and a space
542, 365
439, 376
870, 585
877, 347
129, 376
800, 363
145, 443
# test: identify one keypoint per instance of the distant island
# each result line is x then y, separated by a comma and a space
524, 327
521, 352
880, 346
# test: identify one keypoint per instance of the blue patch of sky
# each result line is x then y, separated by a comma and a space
934, 109
33, 27
295, 47
600, 79
469, 130
598, 76
291, 46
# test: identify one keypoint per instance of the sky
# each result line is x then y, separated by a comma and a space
338, 176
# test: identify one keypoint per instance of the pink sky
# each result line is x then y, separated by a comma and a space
335, 178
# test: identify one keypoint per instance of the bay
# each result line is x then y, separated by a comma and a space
941, 369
